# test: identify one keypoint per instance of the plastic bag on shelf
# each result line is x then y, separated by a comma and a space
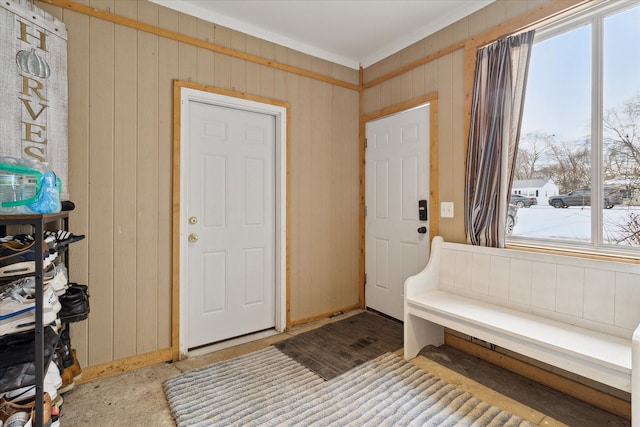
27, 186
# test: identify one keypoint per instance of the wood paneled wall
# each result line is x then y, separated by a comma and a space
443, 72
120, 168
120, 134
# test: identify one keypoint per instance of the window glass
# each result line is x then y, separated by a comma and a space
621, 128
579, 149
554, 154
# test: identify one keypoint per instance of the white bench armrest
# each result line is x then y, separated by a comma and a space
429, 277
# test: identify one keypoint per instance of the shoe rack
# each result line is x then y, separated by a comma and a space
39, 223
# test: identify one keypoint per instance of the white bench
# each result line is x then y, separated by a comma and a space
581, 315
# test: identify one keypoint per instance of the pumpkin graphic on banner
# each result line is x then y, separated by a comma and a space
32, 63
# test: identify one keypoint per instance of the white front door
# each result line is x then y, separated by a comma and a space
397, 178
231, 223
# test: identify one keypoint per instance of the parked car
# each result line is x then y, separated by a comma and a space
512, 219
582, 197
523, 201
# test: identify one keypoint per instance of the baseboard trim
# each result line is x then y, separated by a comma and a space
121, 366
324, 315
580, 391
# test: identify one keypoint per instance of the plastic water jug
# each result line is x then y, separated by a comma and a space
14, 188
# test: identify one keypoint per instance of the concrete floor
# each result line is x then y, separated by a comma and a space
137, 399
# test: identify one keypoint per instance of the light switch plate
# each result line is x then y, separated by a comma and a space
446, 209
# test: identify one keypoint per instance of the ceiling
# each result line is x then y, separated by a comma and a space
352, 33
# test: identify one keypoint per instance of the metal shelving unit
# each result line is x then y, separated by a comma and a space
38, 222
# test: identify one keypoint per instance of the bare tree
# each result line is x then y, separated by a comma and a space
570, 166
532, 150
626, 231
622, 142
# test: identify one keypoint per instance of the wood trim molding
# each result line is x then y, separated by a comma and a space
362, 134
577, 252
125, 365
532, 19
580, 391
175, 285
324, 315
175, 225
405, 105
151, 29
434, 169
415, 64
227, 92
536, 17
555, 8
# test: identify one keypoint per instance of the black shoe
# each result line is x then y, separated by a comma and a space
16, 349
75, 303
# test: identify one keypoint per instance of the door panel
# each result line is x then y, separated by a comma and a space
231, 195
397, 176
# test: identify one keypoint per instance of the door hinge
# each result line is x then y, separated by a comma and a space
365, 143
365, 278
365, 211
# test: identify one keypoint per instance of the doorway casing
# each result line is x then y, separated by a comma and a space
184, 92
434, 170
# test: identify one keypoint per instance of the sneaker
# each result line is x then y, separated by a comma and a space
18, 259
22, 412
63, 237
52, 381
55, 414
18, 309
49, 296
17, 376
14, 302
21, 294
57, 277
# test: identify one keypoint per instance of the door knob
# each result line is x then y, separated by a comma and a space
193, 220
422, 230
193, 237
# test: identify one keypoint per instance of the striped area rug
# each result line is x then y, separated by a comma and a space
267, 388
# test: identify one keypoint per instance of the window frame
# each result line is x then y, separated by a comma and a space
595, 17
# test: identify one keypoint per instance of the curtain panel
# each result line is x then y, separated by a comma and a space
496, 113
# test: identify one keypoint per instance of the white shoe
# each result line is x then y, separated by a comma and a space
17, 308
49, 296
58, 279
25, 322
14, 302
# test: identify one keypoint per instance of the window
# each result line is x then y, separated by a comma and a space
579, 149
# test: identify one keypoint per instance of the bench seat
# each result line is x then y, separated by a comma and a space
577, 314
592, 354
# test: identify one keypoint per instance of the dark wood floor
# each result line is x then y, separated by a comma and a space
560, 406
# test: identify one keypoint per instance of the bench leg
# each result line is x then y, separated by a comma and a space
419, 333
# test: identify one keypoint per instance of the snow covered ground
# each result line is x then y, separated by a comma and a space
573, 223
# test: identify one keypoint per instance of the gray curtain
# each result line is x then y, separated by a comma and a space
496, 113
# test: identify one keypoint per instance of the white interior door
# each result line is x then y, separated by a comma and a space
397, 177
231, 223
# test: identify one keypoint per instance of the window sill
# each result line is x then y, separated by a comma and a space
581, 252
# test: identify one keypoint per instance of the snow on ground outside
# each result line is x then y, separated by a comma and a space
571, 223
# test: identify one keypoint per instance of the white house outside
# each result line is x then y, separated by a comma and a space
541, 189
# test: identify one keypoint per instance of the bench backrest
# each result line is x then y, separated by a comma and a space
595, 294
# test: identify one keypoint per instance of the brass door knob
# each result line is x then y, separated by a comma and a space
193, 237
